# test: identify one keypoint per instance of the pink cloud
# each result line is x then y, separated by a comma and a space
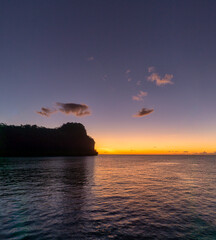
138, 83
90, 58
127, 71
151, 69
154, 77
139, 96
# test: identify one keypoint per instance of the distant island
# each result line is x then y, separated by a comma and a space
70, 139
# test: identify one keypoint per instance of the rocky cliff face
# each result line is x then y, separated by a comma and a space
70, 139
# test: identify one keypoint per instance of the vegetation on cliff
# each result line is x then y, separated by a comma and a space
70, 139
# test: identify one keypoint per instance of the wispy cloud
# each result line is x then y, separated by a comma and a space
46, 111
138, 83
90, 58
127, 71
127, 74
154, 77
78, 110
105, 77
139, 96
151, 69
143, 112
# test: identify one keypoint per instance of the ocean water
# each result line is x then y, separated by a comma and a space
108, 197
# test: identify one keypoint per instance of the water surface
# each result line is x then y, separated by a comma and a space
108, 197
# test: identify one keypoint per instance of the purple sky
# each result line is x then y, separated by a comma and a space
146, 70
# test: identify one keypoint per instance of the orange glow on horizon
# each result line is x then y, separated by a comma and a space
155, 152
155, 145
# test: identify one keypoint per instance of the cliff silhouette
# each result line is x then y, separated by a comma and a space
70, 139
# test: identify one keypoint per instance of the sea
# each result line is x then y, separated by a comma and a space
108, 197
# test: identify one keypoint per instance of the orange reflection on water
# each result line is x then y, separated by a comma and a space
148, 186
122, 176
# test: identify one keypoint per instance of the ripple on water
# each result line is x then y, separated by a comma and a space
108, 197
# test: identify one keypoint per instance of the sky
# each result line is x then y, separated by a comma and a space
140, 75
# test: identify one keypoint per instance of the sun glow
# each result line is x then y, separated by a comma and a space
155, 145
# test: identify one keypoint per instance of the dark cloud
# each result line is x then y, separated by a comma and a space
78, 110
46, 111
143, 112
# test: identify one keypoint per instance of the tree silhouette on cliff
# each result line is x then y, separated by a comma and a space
70, 139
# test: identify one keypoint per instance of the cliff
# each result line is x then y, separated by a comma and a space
70, 139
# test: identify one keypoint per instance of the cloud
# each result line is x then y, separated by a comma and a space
139, 96
154, 77
143, 112
127, 74
105, 77
78, 110
138, 83
90, 58
127, 71
151, 69
46, 111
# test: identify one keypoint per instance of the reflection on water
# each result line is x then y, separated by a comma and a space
108, 197
42, 196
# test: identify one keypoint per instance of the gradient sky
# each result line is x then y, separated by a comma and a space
104, 54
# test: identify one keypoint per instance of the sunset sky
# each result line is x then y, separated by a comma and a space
139, 74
